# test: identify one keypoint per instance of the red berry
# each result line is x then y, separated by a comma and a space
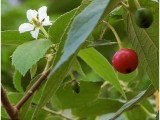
125, 60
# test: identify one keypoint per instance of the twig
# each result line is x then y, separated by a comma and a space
147, 112
57, 113
114, 32
11, 110
32, 89
137, 4
124, 5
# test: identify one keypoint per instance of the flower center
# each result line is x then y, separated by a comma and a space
36, 22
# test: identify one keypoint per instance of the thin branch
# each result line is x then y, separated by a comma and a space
114, 32
147, 112
32, 89
57, 113
125, 5
10, 109
137, 4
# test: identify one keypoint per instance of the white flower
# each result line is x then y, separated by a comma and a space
36, 21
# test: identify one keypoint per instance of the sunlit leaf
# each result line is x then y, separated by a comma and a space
17, 81
145, 42
29, 53
101, 66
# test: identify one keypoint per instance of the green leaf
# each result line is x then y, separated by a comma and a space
136, 113
57, 28
101, 66
17, 81
134, 101
56, 79
65, 95
81, 27
33, 70
14, 97
29, 53
41, 115
4, 113
98, 107
77, 67
128, 77
145, 42
13, 37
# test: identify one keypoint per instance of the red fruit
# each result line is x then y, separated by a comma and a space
125, 60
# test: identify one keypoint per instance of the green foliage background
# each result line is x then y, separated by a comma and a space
103, 92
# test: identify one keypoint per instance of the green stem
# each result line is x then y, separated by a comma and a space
137, 4
49, 62
57, 113
147, 112
115, 33
125, 5
44, 31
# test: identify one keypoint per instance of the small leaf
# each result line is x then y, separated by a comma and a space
134, 101
101, 66
17, 81
33, 70
29, 53
13, 37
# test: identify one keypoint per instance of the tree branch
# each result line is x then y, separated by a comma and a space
10, 109
32, 89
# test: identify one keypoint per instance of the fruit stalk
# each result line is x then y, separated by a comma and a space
115, 33
137, 4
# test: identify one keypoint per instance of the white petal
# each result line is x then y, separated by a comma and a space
31, 14
42, 13
25, 27
35, 33
46, 22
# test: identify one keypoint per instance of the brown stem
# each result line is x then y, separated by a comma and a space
11, 110
32, 89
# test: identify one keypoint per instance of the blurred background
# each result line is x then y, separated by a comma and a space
13, 13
